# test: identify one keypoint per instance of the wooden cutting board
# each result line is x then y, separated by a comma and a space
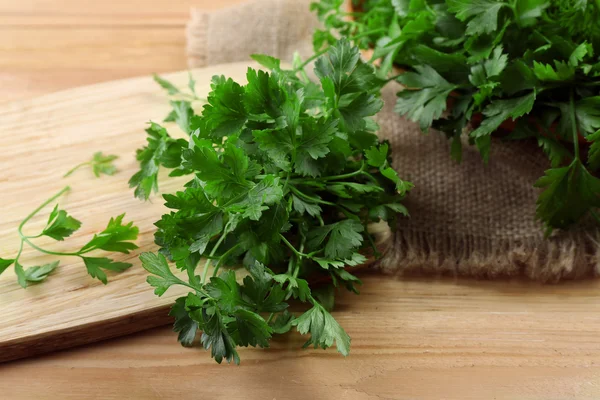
44, 137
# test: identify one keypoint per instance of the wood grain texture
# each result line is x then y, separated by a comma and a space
411, 340
44, 138
51, 45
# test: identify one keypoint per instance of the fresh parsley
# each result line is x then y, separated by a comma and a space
116, 237
286, 174
100, 163
487, 63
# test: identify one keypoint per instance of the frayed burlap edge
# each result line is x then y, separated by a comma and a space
569, 256
196, 35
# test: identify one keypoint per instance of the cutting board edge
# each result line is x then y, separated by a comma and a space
75, 336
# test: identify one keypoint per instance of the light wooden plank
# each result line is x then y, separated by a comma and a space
411, 340
51, 45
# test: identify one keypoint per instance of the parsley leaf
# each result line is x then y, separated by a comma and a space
60, 225
162, 150
96, 266
39, 273
484, 13
323, 328
570, 192
428, 103
115, 237
185, 326
100, 163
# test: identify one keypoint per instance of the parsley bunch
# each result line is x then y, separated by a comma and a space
286, 174
487, 63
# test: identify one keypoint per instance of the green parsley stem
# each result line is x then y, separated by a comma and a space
54, 253
310, 59
310, 198
20, 251
212, 253
344, 176
376, 252
223, 258
291, 246
321, 222
75, 168
270, 317
44, 204
290, 265
393, 78
574, 124
368, 33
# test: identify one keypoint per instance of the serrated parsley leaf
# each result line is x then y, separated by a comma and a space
343, 238
225, 113
156, 264
96, 266
428, 103
302, 207
226, 289
324, 330
497, 112
569, 193
262, 292
252, 329
168, 86
282, 323
115, 237
192, 198
20, 272
60, 225
161, 150
182, 113
4, 264
482, 14
216, 338
186, 327
39, 273
377, 156
267, 61
593, 154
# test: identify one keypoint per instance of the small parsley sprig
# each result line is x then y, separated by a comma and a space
115, 237
100, 163
488, 63
286, 174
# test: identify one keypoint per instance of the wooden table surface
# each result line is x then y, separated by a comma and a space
412, 338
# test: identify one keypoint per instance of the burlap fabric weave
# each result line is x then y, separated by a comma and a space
466, 219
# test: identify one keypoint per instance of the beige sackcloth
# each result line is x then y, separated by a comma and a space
466, 219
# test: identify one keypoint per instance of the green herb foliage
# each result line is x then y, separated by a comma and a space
285, 176
488, 63
116, 237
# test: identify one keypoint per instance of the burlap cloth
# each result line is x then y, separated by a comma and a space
466, 219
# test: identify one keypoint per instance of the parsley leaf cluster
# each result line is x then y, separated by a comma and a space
116, 237
286, 174
530, 67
